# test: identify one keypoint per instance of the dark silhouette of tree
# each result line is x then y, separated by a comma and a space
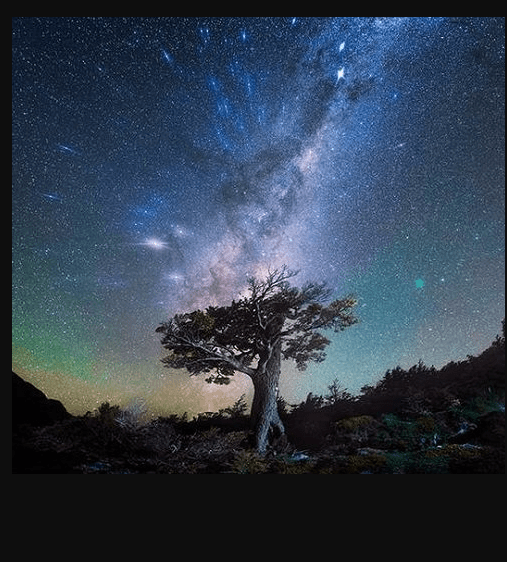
253, 334
337, 393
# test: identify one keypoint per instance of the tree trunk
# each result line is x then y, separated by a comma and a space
264, 417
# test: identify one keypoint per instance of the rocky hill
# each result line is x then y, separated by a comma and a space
31, 406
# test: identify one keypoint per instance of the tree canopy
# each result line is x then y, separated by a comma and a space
242, 336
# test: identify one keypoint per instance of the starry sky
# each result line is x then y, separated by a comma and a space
159, 162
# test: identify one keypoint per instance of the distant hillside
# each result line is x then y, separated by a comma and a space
418, 391
31, 406
461, 380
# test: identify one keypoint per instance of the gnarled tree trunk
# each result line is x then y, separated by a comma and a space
264, 416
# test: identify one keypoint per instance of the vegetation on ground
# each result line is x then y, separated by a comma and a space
415, 421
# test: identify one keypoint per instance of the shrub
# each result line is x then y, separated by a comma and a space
407, 435
249, 462
107, 413
238, 409
133, 415
415, 462
355, 423
487, 460
425, 424
371, 463
287, 465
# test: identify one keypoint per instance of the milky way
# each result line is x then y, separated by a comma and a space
159, 162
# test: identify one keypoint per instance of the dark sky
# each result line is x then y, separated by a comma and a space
158, 162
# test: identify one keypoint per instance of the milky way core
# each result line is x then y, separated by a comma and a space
160, 162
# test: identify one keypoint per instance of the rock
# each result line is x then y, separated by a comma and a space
31, 406
365, 451
298, 457
463, 433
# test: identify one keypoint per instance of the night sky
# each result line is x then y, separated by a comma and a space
158, 162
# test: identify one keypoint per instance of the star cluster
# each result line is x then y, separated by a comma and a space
159, 162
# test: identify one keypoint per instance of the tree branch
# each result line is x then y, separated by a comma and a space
213, 355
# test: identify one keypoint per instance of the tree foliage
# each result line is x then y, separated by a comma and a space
241, 337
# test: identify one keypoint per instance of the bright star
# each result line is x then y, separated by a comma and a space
174, 277
51, 196
67, 149
155, 243
340, 74
167, 57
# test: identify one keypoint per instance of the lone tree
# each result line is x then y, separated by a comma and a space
252, 335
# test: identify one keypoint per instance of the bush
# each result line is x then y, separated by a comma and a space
370, 463
249, 462
133, 415
107, 413
407, 435
355, 423
415, 462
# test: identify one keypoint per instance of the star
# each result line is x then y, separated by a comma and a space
168, 58
164, 160
51, 197
67, 149
155, 243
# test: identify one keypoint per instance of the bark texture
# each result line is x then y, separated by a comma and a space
264, 417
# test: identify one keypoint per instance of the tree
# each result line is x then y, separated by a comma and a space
252, 335
337, 393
